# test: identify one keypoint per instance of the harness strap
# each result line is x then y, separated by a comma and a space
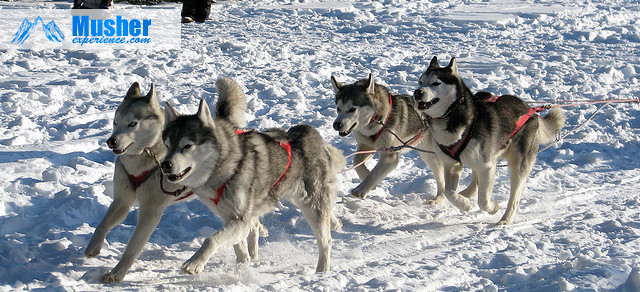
384, 126
287, 148
138, 180
522, 119
454, 150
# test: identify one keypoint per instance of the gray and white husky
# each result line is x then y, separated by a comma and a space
381, 120
476, 132
241, 175
137, 140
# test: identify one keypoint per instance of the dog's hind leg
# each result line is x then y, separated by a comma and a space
124, 198
148, 219
233, 232
241, 251
320, 222
520, 167
386, 163
472, 189
486, 179
257, 231
452, 177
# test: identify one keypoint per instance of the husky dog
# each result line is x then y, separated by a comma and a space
241, 175
477, 131
381, 120
137, 140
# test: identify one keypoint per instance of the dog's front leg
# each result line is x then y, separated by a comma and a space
149, 215
388, 162
124, 197
361, 169
452, 177
437, 168
231, 233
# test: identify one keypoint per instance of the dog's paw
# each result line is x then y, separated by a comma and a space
492, 207
192, 266
436, 201
92, 251
503, 222
359, 192
109, 278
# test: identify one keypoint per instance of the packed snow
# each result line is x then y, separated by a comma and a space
577, 228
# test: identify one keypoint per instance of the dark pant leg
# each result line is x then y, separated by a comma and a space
202, 10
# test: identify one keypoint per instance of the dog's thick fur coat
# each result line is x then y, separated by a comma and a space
246, 170
455, 115
381, 120
136, 139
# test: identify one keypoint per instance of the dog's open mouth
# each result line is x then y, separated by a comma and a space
423, 105
179, 176
121, 151
347, 132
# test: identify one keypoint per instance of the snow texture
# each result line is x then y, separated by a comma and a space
577, 228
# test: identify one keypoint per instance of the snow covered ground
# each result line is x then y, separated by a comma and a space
578, 227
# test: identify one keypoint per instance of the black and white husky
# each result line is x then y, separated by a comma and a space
381, 120
241, 175
476, 132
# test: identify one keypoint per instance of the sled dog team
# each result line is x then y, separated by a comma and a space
164, 157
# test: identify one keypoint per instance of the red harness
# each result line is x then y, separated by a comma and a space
286, 146
137, 181
454, 150
522, 119
375, 117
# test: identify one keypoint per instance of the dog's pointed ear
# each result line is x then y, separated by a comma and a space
134, 91
371, 87
453, 65
434, 63
170, 114
151, 96
204, 113
336, 85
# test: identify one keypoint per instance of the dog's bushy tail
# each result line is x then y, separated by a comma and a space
336, 159
232, 102
550, 126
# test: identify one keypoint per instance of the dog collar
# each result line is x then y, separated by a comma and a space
287, 147
384, 125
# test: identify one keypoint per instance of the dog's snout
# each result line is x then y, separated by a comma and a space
111, 142
167, 166
417, 95
337, 126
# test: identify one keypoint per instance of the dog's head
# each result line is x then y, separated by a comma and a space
191, 146
354, 105
438, 88
138, 122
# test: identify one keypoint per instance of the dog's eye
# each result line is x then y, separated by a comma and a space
132, 124
186, 147
436, 84
351, 110
339, 109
